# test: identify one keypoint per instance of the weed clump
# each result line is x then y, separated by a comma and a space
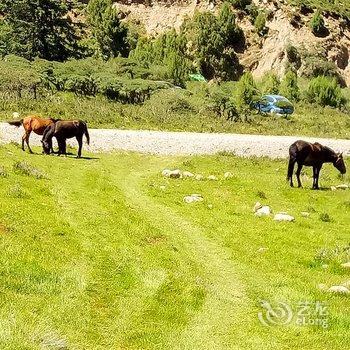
24, 168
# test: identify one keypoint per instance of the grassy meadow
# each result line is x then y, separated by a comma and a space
102, 253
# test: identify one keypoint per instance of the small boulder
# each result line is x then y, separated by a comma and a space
262, 250
210, 206
263, 211
193, 198
228, 175
339, 290
187, 174
305, 214
283, 217
257, 206
212, 177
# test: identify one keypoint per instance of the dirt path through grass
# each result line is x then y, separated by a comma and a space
226, 300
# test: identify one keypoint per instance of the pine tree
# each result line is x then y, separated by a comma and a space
40, 28
110, 34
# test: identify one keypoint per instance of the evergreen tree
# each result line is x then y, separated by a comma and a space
289, 86
108, 30
40, 28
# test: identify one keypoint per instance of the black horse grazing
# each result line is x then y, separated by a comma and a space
312, 154
63, 130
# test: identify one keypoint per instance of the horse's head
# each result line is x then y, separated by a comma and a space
46, 146
339, 163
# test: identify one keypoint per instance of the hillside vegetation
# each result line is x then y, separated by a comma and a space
97, 254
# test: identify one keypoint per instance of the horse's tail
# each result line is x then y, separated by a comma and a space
86, 132
16, 123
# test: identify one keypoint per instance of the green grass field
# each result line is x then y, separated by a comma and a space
97, 254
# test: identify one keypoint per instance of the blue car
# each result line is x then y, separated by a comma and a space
275, 104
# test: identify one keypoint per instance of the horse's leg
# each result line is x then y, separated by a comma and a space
314, 177
80, 143
318, 170
61, 146
300, 166
27, 134
291, 164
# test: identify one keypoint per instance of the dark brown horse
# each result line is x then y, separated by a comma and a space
32, 123
63, 130
315, 155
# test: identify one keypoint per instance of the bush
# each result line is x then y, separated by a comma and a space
270, 83
247, 91
293, 56
260, 23
317, 24
325, 91
315, 66
289, 86
240, 4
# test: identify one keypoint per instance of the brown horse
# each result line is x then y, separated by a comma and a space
63, 130
315, 155
32, 123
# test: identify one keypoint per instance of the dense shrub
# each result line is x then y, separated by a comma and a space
260, 23
325, 91
270, 83
317, 24
247, 91
293, 56
240, 4
316, 65
289, 86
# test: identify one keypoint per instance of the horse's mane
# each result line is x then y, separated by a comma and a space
328, 151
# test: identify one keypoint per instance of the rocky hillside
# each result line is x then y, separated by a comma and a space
287, 29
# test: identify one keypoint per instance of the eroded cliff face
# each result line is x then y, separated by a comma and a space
286, 26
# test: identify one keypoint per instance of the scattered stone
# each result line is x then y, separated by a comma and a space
339, 290
283, 217
228, 175
305, 214
187, 174
342, 187
199, 177
262, 250
162, 188
210, 206
257, 206
333, 188
166, 172
263, 211
212, 177
346, 265
15, 115
193, 198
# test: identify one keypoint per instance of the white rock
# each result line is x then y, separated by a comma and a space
162, 187
15, 115
187, 174
339, 290
262, 250
346, 265
342, 187
305, 214
257, 206
333, 188
228, 175
193, 198
166, 172
325, 266
210, 206
263, 211
175, 174
283, 217
212, 177
199, 177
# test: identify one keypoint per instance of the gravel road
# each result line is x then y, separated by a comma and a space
182, 143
